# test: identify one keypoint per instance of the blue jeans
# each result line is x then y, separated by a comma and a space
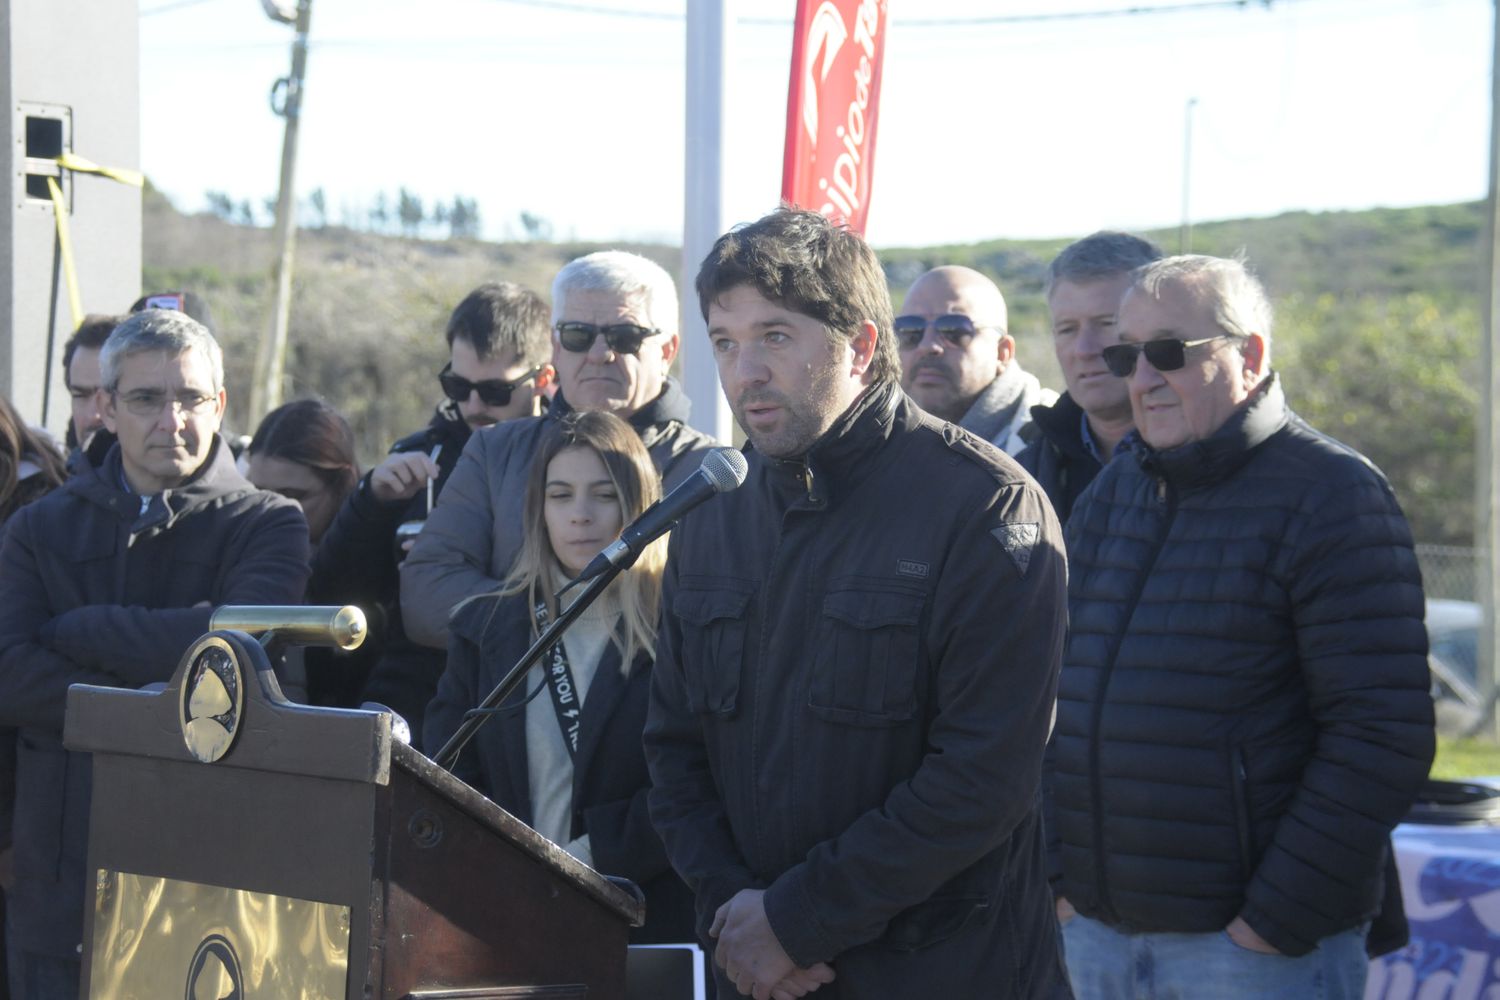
1106, 964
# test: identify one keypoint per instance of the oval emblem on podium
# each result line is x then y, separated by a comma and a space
214, 973
213, 697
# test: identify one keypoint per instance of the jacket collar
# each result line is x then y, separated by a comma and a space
837, 460
671, 405
448, 423
1000, 402
1060, 424
1222, 453
105, 485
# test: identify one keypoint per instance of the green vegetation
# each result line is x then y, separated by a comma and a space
1466, 759
1377, 334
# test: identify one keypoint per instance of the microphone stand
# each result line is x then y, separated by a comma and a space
447, 757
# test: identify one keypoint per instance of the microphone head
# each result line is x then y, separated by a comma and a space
724, 468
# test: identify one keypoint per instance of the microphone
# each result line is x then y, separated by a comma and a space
302, 625
723, 470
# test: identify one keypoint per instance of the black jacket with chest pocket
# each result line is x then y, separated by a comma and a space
1244, 713
853, 689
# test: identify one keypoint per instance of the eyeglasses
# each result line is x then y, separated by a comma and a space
622, 338
1165, 355
492, 391
955, 328
150, 403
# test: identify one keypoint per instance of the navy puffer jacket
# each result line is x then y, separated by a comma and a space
1243, 713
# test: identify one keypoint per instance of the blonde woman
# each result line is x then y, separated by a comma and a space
564, 754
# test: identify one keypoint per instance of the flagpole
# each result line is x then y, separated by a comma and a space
710, 26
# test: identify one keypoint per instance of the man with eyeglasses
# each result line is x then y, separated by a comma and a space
1075, 436
1243, 714
107, 580
614, 335
497, 370
959, 362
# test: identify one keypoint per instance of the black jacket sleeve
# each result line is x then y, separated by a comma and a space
1357, 606
355, 561
684, 799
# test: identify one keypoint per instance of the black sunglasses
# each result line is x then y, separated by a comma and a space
622, 338
492, 392
1165, 355
955, 328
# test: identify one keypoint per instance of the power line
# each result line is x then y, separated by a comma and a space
1083, 15
164, 8
946, 22
582, 8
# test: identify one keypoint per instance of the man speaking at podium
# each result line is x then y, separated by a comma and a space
856, 669
107, 581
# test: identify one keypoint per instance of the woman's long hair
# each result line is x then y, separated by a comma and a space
637, 591
18, 444
311, 433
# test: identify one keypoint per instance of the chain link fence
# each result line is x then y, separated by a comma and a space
1450, 571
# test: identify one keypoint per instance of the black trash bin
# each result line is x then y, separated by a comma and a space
1456, 803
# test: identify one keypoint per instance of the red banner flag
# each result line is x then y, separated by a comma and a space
837, 52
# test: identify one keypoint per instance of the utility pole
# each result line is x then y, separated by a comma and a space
1487, 505
270, 358
1185, 233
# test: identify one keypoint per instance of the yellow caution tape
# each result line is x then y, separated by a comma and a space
77, 164
65, 244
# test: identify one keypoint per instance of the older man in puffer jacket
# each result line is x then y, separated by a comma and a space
1243, 714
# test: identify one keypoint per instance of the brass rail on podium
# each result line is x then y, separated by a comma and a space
242, 844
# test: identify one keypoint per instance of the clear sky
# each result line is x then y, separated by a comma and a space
992, 124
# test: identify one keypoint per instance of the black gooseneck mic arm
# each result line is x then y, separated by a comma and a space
448, 755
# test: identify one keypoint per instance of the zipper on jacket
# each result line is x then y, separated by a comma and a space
1241, 791
1166, 496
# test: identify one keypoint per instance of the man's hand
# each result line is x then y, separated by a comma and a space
801, 982
1243, 935
1065, 911
751, 956
401, 475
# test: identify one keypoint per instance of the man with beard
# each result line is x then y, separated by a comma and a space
957, 360
614, 336
497, 370
857, 661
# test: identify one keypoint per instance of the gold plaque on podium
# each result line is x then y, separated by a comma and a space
160, 937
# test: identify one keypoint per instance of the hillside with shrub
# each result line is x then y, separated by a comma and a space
1377, 330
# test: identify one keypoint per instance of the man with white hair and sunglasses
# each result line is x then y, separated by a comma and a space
614, 335
1243, 714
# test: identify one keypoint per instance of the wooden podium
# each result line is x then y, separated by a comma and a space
247, 847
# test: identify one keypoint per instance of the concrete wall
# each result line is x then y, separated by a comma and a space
78, 62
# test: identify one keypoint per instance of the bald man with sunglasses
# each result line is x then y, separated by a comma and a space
1243, 714
959, 363
614, 335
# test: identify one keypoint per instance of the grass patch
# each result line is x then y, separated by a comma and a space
1465, 759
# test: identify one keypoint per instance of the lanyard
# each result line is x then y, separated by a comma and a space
565, 700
